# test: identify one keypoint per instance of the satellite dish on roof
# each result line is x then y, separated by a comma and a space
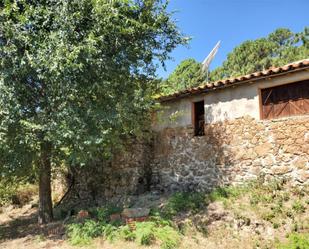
209, 58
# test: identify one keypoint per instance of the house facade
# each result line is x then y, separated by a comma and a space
234, 130
225, 132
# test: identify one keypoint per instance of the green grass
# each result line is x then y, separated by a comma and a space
157, 230
181, 202
298, 207
272, 203
295, 241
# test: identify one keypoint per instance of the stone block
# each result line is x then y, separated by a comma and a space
263, 149
281, 170
135, 212
300, 163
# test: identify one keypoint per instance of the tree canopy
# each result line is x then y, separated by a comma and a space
278, 48
76, 77
187, 74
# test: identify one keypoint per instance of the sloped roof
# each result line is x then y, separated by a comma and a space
271, 72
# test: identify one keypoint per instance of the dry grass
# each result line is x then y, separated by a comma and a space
254, 217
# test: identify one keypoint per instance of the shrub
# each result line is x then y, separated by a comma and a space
16, 192
83, 233
103, 213
184, 202
145, 233
125, 233
24, 194
168, 236
268, 216
226, 192
295, 241
298, 207
7, 190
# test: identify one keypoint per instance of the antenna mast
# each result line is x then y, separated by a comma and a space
208, 60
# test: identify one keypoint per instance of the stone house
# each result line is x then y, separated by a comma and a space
235, 129
220, 133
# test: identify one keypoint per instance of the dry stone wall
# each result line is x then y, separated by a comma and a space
126, 174
230, 153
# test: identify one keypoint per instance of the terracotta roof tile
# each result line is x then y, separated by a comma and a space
303, 64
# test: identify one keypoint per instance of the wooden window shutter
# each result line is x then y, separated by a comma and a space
286, 100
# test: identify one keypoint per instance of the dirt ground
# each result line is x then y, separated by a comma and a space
19, 230
230, 223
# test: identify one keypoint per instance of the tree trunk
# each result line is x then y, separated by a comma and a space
45, 200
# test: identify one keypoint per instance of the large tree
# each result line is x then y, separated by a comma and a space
76, 77
278, 48
187, 74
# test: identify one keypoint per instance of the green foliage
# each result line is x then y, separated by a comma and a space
187, 74
268, 216
16, 191
80, 81
298, 207
183, 201
7, 190
222, 193
103, 213
295, 241
146, 233
77, 78
278, 48
83, 233
168, 236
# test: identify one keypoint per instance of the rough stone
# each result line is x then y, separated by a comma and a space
230, 152
300, 163
281, 170
263, 149
247, 146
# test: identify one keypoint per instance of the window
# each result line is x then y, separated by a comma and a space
198, 118
286, 100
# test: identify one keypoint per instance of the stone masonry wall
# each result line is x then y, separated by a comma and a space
230, 153
127, 174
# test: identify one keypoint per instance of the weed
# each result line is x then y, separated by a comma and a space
276, 225
257, 197
289, 213
168, 237
298, 207
83, 233
184, 202
39, 238
125, 233
276, 208
268, 216
103, 213
275, 185
254, 199
220, 194
16, 193
145, 233
297, 191
295, 241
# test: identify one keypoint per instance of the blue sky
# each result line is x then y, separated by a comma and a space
232, 22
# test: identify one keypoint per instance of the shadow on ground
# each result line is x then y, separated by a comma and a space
26, 226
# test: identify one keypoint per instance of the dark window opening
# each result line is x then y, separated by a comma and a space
198, 113
286, 100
